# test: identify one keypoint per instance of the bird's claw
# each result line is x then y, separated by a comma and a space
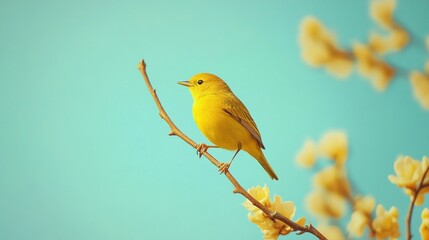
201, 149
223, 167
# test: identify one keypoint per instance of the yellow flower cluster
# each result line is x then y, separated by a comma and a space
361, 216
271, 229
420, 84
332, 191
320, 49
332, 145
333, 179
326, 205
397, 40
358, 222
369, 66
331, 232
382, 13
409, 174
386, 224
408, 170
306, 157
332, 187
424, 227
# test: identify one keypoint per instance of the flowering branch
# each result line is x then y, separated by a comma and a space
412, 203
333, 187
237, 187
353, 202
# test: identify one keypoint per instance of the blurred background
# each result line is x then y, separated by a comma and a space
84, 154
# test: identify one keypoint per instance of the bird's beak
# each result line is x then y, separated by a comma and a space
185, 83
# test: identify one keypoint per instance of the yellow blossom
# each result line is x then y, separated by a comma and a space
265, 224
424, 227
420, 83
378, 43
409, 175
425, 165
319, 48
382, 12
331, 232
381, 75
420, 199
364, 204
287, 209
361, 217
272, 229
358, 222
364, 57
398, 39
262, 194
334, 145
408, 172
386, 224
395, 41
312, 28
333, 179
307, 155
328, 205
369, 66
340, 66
315, 41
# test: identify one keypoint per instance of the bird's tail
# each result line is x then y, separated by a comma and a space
259, 155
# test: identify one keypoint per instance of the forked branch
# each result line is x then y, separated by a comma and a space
237, 187
413, 202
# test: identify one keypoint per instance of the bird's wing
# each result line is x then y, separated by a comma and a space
236, 109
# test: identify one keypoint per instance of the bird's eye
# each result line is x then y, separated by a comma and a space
200, 82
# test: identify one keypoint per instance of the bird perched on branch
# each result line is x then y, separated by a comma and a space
224, 120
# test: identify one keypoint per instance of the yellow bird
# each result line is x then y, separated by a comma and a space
224, 119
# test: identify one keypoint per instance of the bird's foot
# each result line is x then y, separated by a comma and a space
201, 148
223, 167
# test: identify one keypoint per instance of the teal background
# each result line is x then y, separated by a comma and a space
84, 154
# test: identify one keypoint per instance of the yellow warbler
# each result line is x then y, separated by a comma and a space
224, 119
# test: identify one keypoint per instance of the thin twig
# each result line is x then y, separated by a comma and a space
412, 203
237, 187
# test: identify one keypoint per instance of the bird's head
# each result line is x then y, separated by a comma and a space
205, 84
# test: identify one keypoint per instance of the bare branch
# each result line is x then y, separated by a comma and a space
413, 202
237, 187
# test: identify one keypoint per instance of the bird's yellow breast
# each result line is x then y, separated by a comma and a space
220, 128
